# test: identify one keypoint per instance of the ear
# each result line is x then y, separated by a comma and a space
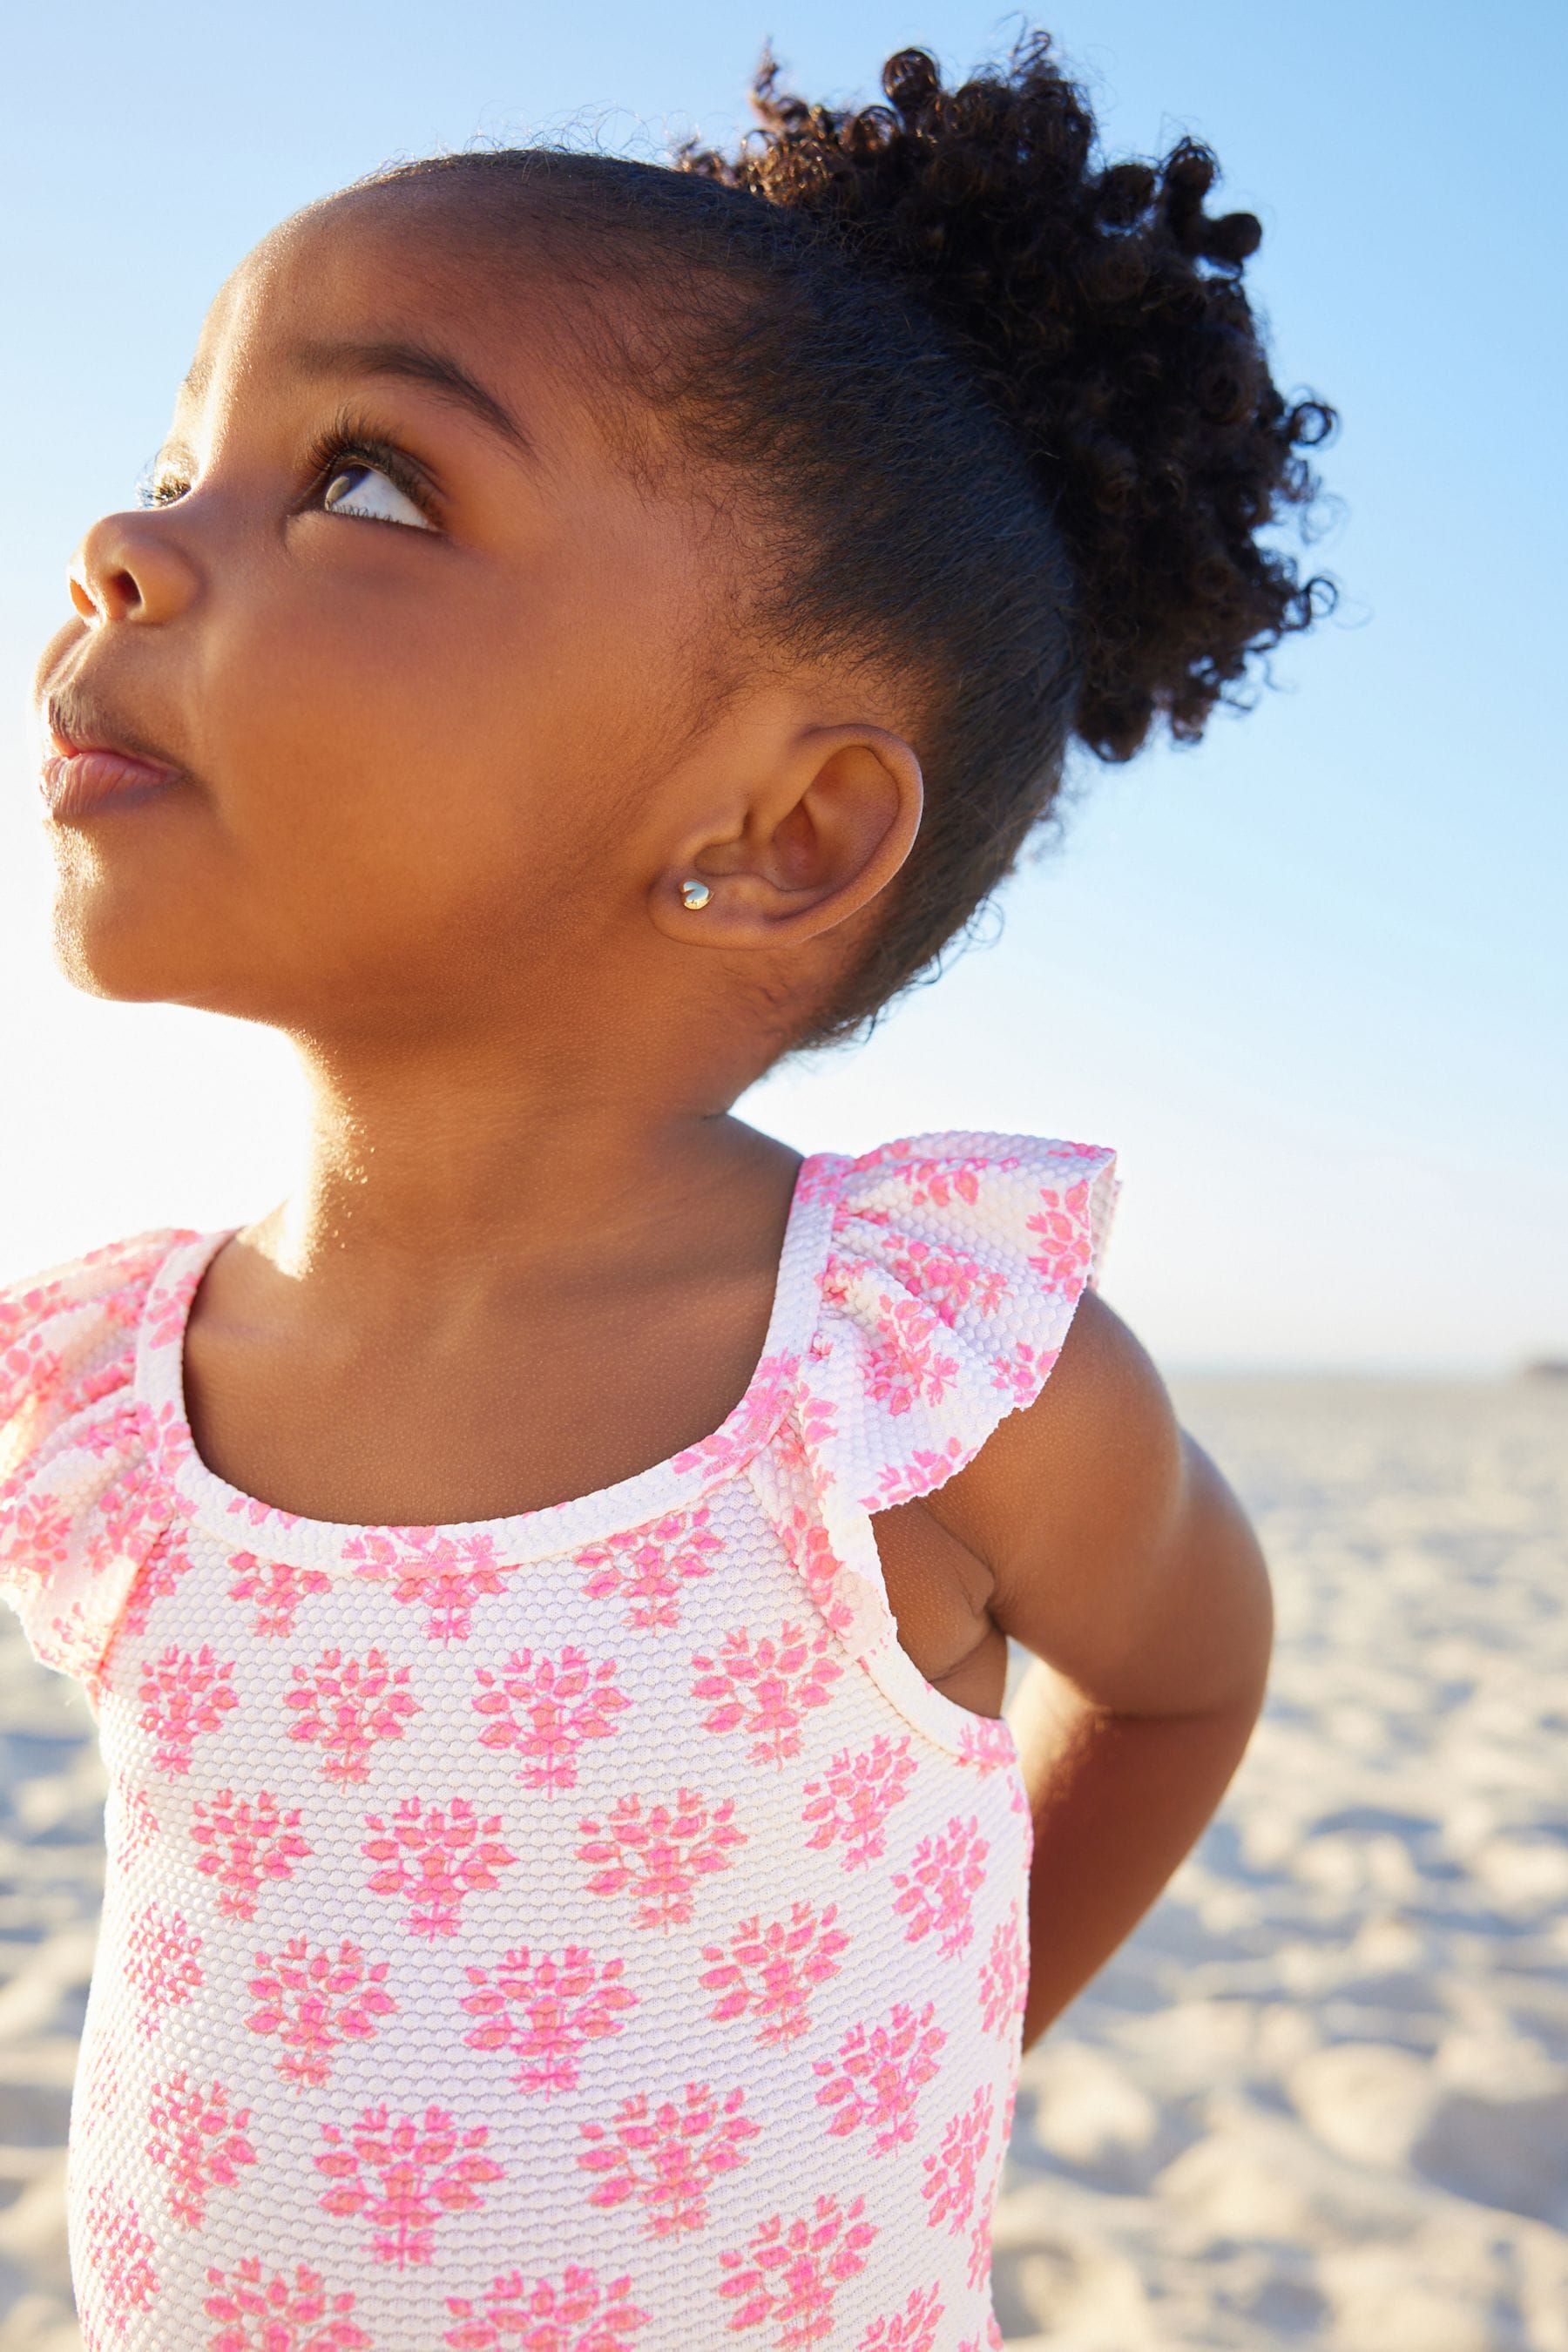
807, 850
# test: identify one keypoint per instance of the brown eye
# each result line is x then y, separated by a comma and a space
362, 489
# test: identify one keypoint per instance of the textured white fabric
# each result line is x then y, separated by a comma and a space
580, 1932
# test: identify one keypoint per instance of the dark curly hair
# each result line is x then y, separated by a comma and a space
1004, 407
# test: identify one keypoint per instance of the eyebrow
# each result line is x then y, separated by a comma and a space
415, 364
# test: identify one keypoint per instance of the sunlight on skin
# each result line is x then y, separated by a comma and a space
427, 679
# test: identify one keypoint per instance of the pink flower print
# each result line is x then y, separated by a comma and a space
905, 1366
405, 2177
1004, 1978
818, 1180
912, 2329
1062, 1221
163, 1559
952, 2171
37, 1537
181, 1697
541, 1711
168, 1310
276, 1587
811, 1555
904, 1481
936, 1183
27, 1369
200, 2142
578, 2315
261, 1514
161, 1962
834, 1282
543, 2010
938, 1889
77, 1646
986, 1744
993, 2343
313, 2000
246, 1842
801, 1438
436, 1855
979, 2267
788, 2273
853, 1800
134, 1824
1022, 1374
125, 1514
664, 2156
768, 1689
280, 2314
345, 1705
660, 1855
753, 1422
120, 2253
648, 1567
948, 1280
878, 2071
769, 1972
443, 1574
118, 1431
788, 1450
816, 1415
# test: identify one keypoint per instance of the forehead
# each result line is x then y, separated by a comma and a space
401, 264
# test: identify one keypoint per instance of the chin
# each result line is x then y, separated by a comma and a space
115, 959
133, 938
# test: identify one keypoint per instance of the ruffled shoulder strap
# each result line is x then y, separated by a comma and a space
77, 1521
955, 1263
949, 1275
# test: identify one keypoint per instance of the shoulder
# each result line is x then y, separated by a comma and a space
68, 1334
1098, 1453
1113, 1547
969, 1364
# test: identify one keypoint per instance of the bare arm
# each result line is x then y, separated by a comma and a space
1119, 1557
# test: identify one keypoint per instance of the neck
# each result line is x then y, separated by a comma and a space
442, 1172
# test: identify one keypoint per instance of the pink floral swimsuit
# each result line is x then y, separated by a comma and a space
579, 1932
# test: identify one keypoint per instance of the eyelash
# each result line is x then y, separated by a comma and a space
347, 440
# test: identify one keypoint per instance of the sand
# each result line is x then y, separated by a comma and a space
1321, 2097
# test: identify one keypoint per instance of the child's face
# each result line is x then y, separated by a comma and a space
423, 760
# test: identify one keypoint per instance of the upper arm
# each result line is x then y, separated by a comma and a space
1116, 1552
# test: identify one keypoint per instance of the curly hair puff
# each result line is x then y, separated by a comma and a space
1007, 409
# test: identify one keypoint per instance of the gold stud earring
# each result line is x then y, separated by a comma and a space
694, 894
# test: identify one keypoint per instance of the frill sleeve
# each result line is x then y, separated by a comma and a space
954, 1270
79, 1513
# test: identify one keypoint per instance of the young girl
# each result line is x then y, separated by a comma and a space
545, 1588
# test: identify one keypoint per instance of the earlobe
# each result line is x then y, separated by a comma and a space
810, 846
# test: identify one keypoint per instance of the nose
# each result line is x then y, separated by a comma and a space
129, 568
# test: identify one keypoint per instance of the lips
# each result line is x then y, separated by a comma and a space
90, 762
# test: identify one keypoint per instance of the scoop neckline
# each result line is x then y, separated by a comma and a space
676, 1483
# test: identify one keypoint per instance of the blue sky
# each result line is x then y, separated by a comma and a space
1308, 978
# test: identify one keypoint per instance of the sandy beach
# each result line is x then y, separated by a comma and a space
1321, 2097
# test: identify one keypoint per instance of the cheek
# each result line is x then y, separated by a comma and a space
399, 795
424, 775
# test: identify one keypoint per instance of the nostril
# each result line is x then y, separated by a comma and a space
113, 596
122, 596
